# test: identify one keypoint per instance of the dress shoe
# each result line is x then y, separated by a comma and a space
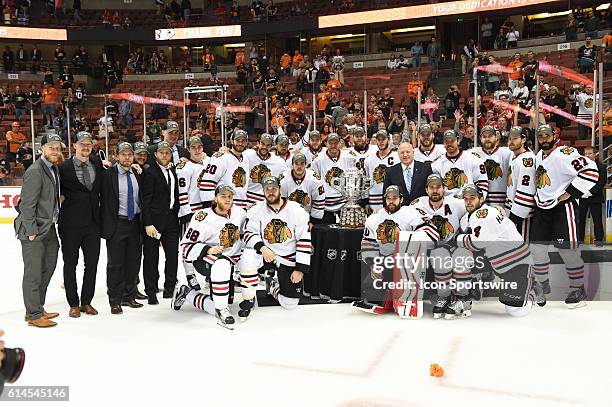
140, 296
45, 315
116, 309
74, 312
42, 323
89, 310
131, 304
152, 300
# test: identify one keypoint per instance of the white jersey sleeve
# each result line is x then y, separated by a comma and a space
520, 199
210, 176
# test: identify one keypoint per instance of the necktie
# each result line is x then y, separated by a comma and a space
57, 190
168, 179
408, 179
86, 176
130, 197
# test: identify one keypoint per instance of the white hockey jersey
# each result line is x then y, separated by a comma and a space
311, 155
370, 150
375, 167
520, 199
259, 168
466, 168
447, 218
497, 165
329, 168
228, 169
285, 232
437, 150
585, 103
489, 230
382, 230
188, 173
287, 159
208, 229
563, 170
309, 192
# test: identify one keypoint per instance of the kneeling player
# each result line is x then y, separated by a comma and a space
277, 234
213, 244
379, 243
487, 229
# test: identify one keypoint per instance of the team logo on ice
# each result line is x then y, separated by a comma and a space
300, 197
542, 178
276, 231
200, 216
386, 232
333, 172
259, 172
494, 171
239, 178
455, 178
443, 225
229, 235
482, 213
379, 174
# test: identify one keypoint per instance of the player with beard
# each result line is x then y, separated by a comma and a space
562, 177
213, 245
520, 198
487, 230
459, 168
328, 166
427, 151
282, 150
277, 238
361, 146
141, 155
375, 166
302, 185
230, 168
262, 164
380, 240
497, 164
315, 147
445, 213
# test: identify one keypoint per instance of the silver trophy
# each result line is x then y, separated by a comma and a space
353, 185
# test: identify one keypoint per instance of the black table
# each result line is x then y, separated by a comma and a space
335, 266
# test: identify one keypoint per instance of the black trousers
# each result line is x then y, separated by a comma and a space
584, 207
170, 241
123, 251
86, 239
329, 218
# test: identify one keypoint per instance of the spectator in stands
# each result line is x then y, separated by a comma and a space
433, 55
20, 103
25, 155
5, 169
59, 57
512, 37
154, 63
107, 17
65, 80
257, 10
337, 64
22, 58
530, 67
49, 95
555, 99
296, 62
468, 54
334, 85
15, 137
36, 59
403, 63
34, 99
591, 25
186, 8
271, 10
587, 56
503, 91
451, 102
486, 31
4, 102
417, 51
259, 84
493, 81
521, 92
125, 113
208, 59
235, 12
516, 66
8, 59
116, 20
392, 62
339, 112
76, 8
127, 23
571, 28
285, 64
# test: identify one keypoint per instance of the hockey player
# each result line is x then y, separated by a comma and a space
328, 166
496, 160
520, 198
213, 244
230, 168
379, 242
187, 172
314, 148
487, 229
445, 213
458, 168
427, 151
282, 150
262, 164
562, 176
361, 146
375, 166
302, 185
278, 238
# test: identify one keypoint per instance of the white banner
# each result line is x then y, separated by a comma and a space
9, 196
564, 46
357, 65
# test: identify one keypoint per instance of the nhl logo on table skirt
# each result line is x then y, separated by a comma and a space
331, 254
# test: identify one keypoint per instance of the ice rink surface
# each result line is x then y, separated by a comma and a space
315, 356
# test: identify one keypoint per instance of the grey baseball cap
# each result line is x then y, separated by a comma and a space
171, 125
470, 190
545, 128
333, 136
434, 178
314, 133
84, 136
282, 139
393, 190
164, 145
266, 137
425, 128
450, 133
224, 187
140, 147
516, 131
358, 129
51, 139
270, 181
297, 157
382, 133
487, 129
124, 146
239, 133
194, 140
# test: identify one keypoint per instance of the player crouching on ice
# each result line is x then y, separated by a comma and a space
213, 245
378, 248
487, 229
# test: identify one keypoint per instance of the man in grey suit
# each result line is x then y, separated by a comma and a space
35, 227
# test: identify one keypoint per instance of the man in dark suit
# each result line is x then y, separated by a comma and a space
120, 208
39, 210
594, 202
171, 136
160, 205
409, 175
79, 223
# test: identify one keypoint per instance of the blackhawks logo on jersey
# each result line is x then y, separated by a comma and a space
567, 150
239, 178
386, 232
588, 103
482, 213
300, 197
229, 235
542, 178
276, 231
494, 171
360, 163
259, 172
218, 154
200, 216
455, 178
443, 225
333, 172
527, 162
379, 174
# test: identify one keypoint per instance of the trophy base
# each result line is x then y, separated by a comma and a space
352, 217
